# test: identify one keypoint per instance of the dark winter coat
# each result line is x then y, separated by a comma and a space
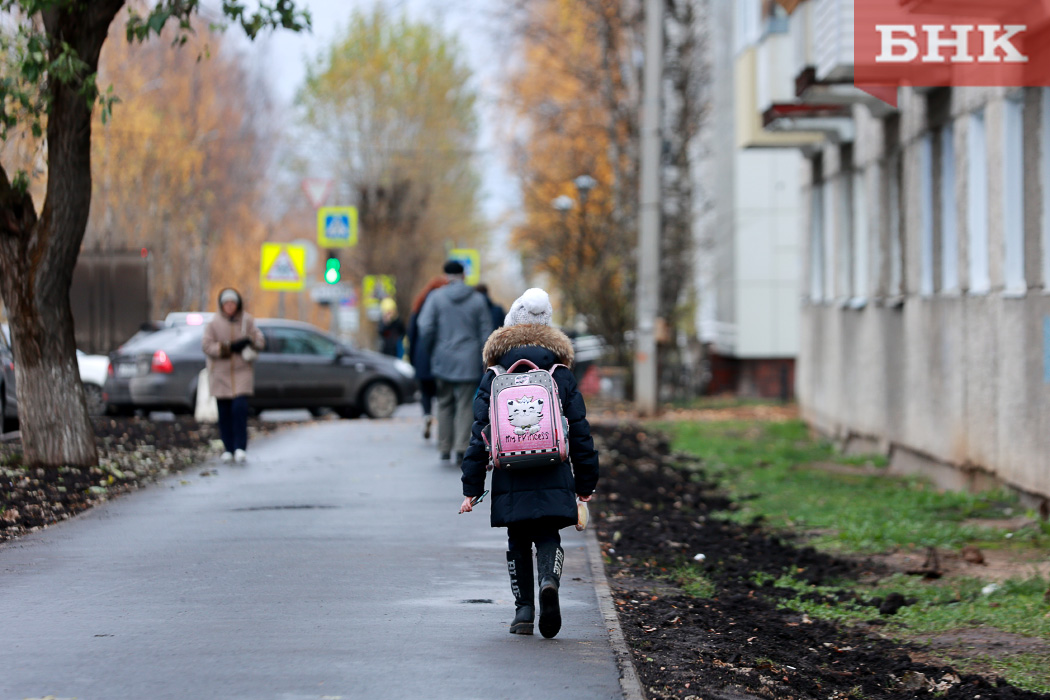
548, 492
419, 356
390, 335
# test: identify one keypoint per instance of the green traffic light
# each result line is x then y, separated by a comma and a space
331, 271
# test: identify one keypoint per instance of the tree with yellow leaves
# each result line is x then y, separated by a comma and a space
178, 174
573, 95
390, 107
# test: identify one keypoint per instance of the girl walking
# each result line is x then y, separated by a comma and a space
533, 504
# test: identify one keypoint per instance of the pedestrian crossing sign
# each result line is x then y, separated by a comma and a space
471, 261
283, 267
337, 227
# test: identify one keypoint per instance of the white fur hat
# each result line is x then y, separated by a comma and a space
534, 306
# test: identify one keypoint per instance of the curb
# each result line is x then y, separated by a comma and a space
629, 683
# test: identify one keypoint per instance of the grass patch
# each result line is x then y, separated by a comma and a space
692, 580
767, 468
1026, 671
719, 402
1016, 606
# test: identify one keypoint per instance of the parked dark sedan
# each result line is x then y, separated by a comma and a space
301, 367
8, 397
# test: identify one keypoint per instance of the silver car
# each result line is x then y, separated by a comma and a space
301, 367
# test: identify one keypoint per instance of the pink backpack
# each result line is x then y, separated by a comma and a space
526, 425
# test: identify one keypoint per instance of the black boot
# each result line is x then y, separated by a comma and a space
549, 560
519, 565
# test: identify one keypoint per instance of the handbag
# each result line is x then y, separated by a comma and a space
249, 354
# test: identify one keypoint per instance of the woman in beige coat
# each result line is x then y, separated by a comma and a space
231, 376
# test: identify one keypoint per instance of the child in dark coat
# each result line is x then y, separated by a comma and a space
533, 504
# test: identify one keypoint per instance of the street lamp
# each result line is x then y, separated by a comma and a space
584, 184
563, 204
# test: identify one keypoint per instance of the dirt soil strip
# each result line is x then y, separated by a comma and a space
656, 511
632, 687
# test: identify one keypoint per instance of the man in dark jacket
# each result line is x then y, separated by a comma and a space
533, 504
453, 328
495, 309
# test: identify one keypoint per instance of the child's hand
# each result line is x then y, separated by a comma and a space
585, 498
467, 506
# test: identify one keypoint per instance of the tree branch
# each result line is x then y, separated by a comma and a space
17, 213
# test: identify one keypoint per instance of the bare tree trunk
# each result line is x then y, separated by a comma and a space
37, 257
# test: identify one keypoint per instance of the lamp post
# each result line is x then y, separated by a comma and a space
563, 204
584, 184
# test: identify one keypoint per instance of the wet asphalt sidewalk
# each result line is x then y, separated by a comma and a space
333, 565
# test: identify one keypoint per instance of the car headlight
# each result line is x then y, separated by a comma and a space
405, 368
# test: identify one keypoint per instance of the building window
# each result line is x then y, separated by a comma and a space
1013, 198
891, 277
928, 203
977, 204
816, 233
894, 228
816, 244
949, 225
845, 222
861, 241
830, 231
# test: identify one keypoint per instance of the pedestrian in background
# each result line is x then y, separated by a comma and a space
533, 504
231, 341
391, 329
453, 328
495, 309
420, 356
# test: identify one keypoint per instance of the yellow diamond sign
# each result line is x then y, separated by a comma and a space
283, 267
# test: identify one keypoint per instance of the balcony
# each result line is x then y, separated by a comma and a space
833, 39
763, 79
833, 122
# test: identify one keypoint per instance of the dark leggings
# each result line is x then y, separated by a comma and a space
521, 536
233, 423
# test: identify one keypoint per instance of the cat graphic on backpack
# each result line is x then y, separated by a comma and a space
525, 414
526, 426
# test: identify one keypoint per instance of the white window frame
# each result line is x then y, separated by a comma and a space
977, 204
1013, 198
949, 224
926, 212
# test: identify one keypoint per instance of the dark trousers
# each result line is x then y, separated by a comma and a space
233, 423
427, 391
521, 536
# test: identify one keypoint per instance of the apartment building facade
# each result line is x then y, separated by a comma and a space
751, 242
925, 315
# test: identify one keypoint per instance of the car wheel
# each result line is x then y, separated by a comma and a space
95, 404
379, 400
